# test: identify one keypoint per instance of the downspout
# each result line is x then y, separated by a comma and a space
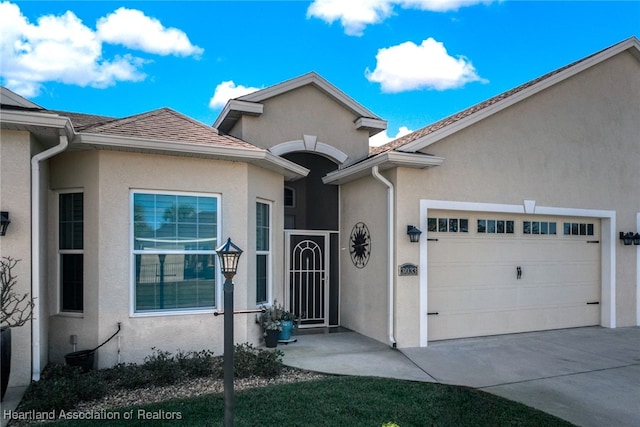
390, 244
35, 249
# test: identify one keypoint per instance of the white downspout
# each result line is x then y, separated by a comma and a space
35, 250
390, 244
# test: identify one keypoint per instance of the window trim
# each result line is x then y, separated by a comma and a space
60, 252
132, 256
269, 254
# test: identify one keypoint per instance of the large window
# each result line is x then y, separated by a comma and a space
71, 251
174, 241
263, 251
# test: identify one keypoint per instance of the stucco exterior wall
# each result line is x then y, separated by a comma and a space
573, 145
15, 190
264, 186
107, 178
363, 291
305, 111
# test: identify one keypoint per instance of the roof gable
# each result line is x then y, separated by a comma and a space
11, 99
426, 136
251, 104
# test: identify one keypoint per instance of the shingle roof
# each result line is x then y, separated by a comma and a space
406, 139
163, 124
81, 121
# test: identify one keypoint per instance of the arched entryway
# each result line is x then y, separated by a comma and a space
311, 227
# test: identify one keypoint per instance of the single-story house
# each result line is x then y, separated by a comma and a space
520, 200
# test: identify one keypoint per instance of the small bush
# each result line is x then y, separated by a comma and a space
249, 361
164, 369
62, 387
127, 376
197, 364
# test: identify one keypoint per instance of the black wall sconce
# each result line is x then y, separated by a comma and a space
630, 238
414, 233
4, 222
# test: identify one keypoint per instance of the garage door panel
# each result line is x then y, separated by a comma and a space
474, 285
473, 299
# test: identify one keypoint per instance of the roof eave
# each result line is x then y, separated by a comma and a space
36, 122
262, 158
632, 44
233, 111
386, 160
374, 126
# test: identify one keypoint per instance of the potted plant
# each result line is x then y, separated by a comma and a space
16, 310
269, 320
287, 321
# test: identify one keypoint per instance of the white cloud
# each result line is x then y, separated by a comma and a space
355, 15
61, 49
408, 66
382, 137
135, 30
226, 91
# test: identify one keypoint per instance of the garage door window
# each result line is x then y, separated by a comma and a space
448, 225
539, 227
578, 229
495, 226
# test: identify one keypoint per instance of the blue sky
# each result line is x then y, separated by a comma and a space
411, 62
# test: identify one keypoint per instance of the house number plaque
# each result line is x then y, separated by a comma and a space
408, 269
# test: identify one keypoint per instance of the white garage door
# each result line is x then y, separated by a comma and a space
496, 274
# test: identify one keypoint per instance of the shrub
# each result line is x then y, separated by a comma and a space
197, 364
163, 368
62, 387
127, 376
249, 361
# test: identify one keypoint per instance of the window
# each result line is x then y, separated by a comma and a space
578, 229
174, 241
538, 227
71, 251
450, 225
263, 252
495, 226
289, 197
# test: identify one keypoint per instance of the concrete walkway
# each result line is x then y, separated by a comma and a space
10, 402
588, 376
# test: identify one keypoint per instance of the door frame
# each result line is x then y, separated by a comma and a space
287, 279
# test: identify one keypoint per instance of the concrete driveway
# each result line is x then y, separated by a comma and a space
588, 376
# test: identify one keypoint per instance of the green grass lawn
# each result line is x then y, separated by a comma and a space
342, 401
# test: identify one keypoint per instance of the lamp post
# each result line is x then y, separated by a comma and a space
229, 255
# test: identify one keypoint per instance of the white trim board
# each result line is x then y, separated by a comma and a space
608, 248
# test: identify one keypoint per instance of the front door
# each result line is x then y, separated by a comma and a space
307, 276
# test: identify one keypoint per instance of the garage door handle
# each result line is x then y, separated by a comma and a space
518, 272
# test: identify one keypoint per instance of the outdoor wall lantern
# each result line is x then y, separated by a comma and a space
414, 233
4, 222
229, 255
630, 238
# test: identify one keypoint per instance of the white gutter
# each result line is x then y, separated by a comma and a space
390, 244
35, 250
